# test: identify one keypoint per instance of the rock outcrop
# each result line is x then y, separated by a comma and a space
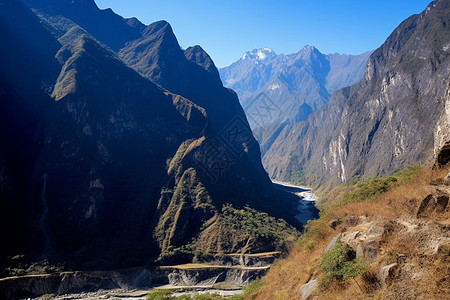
307, 289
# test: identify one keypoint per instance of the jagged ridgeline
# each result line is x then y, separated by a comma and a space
280, 90
397, 115
119, 148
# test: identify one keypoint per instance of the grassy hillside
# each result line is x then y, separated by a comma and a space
400, 229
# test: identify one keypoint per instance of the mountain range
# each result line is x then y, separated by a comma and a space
123, 152
395, 116
277, 90
121, 149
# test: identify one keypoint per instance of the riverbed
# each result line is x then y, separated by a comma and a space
306, 205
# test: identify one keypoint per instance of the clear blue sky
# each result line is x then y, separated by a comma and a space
228, 28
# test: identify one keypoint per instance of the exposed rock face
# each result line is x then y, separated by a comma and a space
75, 282
431, 204
210, 276
365, 244
395, 116
277, 90
307, 289
387, 272
124, 280
105, 159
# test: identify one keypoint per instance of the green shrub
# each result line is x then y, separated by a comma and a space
48, 296
335, 264
371, 188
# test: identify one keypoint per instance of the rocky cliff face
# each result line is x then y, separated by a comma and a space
395, 116
277, 90
119, 154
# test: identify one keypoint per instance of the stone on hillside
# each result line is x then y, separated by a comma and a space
441, 203
332, 243
352, 239
307, 289
359, 251
426, 206
387, 272
364, 244
371, 249
375, 230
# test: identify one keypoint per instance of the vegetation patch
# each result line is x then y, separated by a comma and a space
371, 188
247, 230
337, 265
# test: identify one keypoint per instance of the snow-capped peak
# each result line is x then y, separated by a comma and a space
259, 54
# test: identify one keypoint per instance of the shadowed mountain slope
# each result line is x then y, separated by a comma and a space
113, 167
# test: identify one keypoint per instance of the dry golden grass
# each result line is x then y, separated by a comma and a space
401, 200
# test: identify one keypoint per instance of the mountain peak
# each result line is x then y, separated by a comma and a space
259, 54
199, 56
64, 4
308, 53
161, 25
308, 50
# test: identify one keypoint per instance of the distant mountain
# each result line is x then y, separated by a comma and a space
276, 90
395, 116
119, 148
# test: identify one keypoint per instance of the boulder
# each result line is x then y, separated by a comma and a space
364, 243
441, 203
426, 206
375, 230
359, 251
352, 239
307, 289
370, 249
387, 273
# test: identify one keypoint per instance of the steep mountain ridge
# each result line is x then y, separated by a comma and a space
307, 76
115, 170
383, 123
106, 26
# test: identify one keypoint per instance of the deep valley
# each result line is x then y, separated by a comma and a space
134, 168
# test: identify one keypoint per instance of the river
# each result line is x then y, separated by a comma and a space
306, 203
